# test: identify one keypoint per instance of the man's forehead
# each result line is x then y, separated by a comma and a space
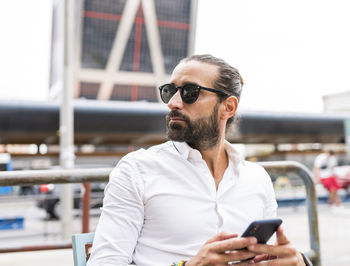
189, 70
194, 64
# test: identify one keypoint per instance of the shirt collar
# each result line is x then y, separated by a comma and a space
182, 148
233, 154
186, 152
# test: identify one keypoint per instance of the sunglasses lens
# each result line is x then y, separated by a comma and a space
167, 91
189, 93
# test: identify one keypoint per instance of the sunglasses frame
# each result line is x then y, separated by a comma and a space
197, 87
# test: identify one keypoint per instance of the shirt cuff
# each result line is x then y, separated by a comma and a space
307, 261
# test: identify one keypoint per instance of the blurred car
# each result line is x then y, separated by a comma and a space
50, 197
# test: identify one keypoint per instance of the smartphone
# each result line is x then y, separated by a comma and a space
262, 229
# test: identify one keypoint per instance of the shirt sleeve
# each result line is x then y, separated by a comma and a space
270, 210
270, 203
121, 218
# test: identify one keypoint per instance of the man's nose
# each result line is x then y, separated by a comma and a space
175, 101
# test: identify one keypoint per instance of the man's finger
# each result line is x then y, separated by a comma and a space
279, 251
279, 262
221, 236
281, 237
233, 244
238, 255
262, 257
244, 263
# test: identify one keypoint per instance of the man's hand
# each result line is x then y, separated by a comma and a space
282, 253
223, 248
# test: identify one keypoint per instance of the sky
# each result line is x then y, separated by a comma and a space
25, 49
290, 53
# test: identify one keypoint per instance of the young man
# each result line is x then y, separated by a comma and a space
187, 200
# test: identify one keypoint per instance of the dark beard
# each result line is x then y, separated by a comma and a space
201, 134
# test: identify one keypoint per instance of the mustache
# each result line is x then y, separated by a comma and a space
176, 113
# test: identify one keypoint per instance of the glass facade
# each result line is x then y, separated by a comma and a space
101, 21
134, 93
89, 90
100, 24
174, 24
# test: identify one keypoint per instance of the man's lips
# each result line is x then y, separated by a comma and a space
176, 119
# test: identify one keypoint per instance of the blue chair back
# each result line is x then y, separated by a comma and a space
81, 244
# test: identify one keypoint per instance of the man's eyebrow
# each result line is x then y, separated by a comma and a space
191, 82
184, 83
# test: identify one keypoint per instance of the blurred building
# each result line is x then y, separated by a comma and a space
339, 102
125, 48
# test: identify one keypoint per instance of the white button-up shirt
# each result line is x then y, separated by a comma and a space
161, 205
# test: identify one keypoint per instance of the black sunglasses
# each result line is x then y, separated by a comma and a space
189, 92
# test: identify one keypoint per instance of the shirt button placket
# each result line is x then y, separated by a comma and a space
219, 216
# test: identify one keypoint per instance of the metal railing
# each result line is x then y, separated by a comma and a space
305, 174
35, 177
57, 176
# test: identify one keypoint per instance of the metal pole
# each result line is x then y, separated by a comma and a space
86, 208
311, 200
347, 135
66, 118
62, 176
36, 248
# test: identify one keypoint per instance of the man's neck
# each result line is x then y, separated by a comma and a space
216, 159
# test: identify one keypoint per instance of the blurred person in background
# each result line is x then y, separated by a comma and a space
324, 173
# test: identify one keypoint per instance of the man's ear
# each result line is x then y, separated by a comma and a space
230, 105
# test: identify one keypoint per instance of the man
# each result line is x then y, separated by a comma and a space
324, 173
173, 203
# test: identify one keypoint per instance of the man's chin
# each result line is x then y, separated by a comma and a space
176, 126
175, 134
176, 139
